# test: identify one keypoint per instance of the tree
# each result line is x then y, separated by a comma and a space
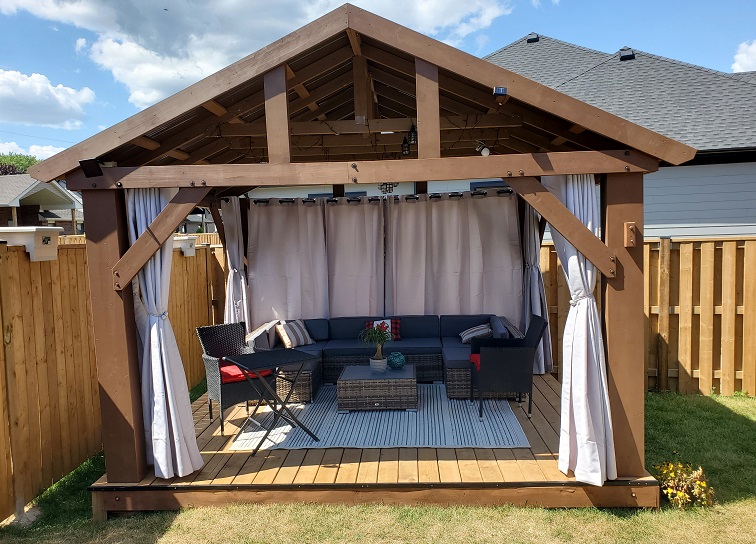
15, 163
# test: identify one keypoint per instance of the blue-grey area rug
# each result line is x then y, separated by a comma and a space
438, 423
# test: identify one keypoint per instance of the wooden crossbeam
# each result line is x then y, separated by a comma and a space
156, 234
452, 122
147, 143
371, 172
564, 222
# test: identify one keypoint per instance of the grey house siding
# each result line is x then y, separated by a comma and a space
701, 201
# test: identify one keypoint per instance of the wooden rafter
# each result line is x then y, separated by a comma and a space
162, 228
303, 93
277, 116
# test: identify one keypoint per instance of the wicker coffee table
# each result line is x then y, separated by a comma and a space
359, 388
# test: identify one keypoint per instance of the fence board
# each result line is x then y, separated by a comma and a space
685, 338
663, 283
7, 501
706, 343
749, 318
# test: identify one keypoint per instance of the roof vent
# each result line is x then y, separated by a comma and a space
627, 54
532, 38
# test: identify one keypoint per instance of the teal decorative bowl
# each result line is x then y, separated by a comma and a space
396, 360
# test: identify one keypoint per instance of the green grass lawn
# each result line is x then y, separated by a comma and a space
718, 433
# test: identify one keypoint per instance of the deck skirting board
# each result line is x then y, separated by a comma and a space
620, 494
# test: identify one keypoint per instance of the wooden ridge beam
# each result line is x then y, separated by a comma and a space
371, 172
564, 222
156, 234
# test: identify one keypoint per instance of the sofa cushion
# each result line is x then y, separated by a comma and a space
348, 327
318, 328
310, 365
231, 373
454, 342
452, 325
414, 346
419, 326
315, 349
498, 327
456, 357
348, 346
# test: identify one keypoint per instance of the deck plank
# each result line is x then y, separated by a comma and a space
309, 468
427, 465
388, 466
408, 468
468, 465
248, 472
290, 467
270, 467
489, 468
231, 469
510, 470
368, 472
531, 472
349, 467
329, 466
448, 469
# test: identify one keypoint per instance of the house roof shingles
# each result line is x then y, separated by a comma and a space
704, 108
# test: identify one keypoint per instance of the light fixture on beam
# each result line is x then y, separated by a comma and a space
483, 149
412, 136
91, 168
405, 147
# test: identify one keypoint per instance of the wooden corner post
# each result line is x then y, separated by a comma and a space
115, 338
624, 320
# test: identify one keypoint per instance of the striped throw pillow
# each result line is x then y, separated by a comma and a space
294, 334
479, 331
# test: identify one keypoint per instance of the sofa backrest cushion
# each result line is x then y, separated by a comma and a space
452, 325
318, 329
419, 326
347, 327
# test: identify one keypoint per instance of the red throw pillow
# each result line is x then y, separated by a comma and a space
395, 327
231, 373
475, 359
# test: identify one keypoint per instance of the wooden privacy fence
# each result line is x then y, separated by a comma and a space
700, 306
49, 398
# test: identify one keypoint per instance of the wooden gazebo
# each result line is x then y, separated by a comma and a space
331, 104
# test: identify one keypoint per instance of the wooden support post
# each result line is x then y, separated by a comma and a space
362, 92
622, 198
115, 338
428, 122
277, 116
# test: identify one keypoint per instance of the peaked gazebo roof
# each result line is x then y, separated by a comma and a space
351, 95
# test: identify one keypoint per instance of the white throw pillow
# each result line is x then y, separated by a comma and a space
294, 334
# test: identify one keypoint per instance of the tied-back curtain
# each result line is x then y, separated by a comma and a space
533, 290
354, 240
455, 254
169, 427
286, 260
237, 307
586, 442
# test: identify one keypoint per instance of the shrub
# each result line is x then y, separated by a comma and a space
683, 485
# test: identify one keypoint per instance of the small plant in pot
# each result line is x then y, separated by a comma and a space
377, 333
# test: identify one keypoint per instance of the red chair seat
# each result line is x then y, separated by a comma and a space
475, 359
231, 373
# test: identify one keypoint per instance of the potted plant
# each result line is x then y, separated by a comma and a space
377, 333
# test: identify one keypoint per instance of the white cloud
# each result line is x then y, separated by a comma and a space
34, 100
156, 49
81, 43
537, 3
745, 58
40, 151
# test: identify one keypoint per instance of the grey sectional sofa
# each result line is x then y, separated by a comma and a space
430, 342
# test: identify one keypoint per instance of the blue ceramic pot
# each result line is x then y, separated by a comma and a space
396, 360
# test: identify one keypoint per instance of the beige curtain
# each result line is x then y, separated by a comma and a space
354, 240
286, 260
454, 255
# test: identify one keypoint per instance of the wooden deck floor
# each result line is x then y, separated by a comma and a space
480, 476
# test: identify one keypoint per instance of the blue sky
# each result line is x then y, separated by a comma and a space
71, 68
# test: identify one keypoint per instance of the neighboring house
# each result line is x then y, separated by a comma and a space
24, 201
712, 195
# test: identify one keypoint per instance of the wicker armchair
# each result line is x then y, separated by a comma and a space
220, 341
506, 364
